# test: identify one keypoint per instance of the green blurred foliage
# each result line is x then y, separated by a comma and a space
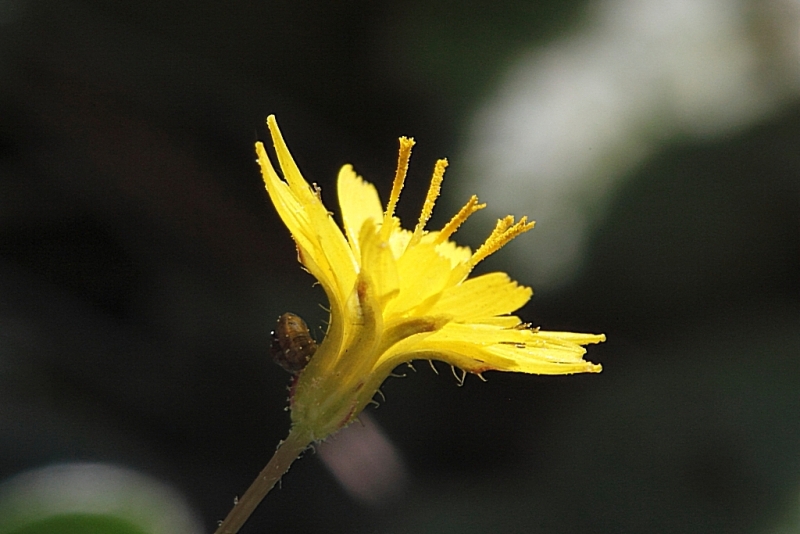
79, 524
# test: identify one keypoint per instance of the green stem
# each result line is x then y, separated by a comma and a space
287, 452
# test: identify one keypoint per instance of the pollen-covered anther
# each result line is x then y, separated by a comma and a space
430, 199
504, 231
404, 155
458, 219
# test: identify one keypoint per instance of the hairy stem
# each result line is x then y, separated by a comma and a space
287, 452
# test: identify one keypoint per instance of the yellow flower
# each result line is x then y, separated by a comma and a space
397, 295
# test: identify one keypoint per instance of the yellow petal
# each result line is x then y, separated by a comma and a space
502, 321
399, 239
322, 246
477, 359
481, 347
487, 334
295, 209
456, 254
543, 361
377, 260
423, 274
574, 337
482, 297
359, 202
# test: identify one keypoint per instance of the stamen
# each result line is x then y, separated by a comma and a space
397, 185
430, 199
502, 225
503, 232
450, 228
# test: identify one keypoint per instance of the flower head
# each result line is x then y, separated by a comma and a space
397, 295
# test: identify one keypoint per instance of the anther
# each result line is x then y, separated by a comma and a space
430, 199
399, 178
458, 219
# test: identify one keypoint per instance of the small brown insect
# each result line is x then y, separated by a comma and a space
292, 344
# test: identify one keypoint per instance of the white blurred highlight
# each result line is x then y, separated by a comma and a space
365, 462
95, 489
571, 118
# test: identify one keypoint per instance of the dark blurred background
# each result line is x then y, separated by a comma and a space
142, 265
